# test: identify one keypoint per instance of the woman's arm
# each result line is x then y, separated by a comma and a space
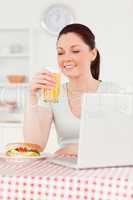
37, 119
37, 123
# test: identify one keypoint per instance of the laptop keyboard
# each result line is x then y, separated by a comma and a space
64, 159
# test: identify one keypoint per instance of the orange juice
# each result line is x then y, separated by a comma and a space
52, 95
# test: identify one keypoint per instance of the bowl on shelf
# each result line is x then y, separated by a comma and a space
16, 78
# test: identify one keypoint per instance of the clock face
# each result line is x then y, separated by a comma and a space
56, 17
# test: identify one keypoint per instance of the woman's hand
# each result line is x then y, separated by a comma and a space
41, 80
68, 150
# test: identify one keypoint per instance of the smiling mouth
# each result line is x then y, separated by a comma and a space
69, 67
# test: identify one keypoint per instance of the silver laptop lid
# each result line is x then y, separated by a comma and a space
106, 130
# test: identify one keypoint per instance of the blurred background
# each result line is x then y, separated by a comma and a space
28, 32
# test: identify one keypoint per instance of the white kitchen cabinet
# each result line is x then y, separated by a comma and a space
10, 132
15, 59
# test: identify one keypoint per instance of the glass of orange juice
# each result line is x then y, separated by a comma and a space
52, 95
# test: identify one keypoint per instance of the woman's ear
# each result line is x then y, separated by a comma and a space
93, 54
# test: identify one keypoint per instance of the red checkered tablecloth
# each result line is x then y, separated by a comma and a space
41, 180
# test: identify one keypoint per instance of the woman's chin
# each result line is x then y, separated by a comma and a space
71, 74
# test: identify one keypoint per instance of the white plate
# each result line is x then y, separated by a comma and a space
18, 158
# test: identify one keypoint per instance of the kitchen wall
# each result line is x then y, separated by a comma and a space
111, 21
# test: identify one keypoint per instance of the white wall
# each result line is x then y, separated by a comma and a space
111, 21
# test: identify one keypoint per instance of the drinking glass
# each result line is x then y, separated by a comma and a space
52, 95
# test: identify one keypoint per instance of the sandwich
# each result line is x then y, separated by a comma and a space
22, 149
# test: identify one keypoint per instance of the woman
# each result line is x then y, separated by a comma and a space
79, 60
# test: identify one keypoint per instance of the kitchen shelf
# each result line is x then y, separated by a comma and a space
14, 84
11, 117
15, 57
11, 124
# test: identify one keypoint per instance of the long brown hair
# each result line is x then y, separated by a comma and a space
88, 37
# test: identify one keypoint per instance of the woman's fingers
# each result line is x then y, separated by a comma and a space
67, 151
42, 80
63, 153
44, 83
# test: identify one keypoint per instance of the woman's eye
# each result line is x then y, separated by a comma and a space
60, 53
76, 51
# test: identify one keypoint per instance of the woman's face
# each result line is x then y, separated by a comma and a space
74, 55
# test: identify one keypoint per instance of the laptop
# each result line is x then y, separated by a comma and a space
106, 132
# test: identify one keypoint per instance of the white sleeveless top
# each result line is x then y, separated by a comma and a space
66, 123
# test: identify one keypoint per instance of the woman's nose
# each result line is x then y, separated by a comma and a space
67, 57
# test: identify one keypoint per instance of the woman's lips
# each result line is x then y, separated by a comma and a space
69, 66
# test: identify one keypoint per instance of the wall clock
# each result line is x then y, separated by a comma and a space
55, 17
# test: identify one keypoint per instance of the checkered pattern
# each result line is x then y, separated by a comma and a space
40, 180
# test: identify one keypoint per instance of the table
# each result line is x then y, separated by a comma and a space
41, 180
